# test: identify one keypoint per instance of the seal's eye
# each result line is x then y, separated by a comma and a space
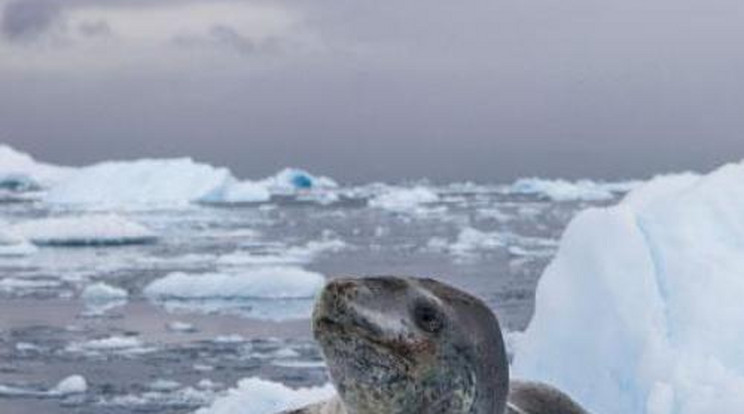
428, 317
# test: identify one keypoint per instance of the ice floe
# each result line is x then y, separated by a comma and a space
641, 310
74, 384
272, 292
85, 230
280, 282
404, 199
257, 396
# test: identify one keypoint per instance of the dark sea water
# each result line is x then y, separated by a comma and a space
147, 355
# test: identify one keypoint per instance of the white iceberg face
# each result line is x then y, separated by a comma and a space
257, 396
87, 230
142, 183
641, 311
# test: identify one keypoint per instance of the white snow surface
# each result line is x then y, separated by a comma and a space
272, 282
84, 230
257, 396
641, 310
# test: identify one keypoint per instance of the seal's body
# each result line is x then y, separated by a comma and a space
417, 346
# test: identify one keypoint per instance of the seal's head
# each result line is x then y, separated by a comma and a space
404, 345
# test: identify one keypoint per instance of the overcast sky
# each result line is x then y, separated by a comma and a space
368, 90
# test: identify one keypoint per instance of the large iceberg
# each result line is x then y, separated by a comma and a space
166, 182
641, 311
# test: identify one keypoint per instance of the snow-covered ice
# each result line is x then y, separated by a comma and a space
86, 230
641, 310
257, 396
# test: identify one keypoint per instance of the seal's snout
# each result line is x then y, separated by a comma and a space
332, 305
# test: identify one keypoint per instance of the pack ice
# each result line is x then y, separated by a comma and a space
642, 309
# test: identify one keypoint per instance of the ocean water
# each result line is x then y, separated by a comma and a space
144, 352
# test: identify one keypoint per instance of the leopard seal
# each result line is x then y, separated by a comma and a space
398, 345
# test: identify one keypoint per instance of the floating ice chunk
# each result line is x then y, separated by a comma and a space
266, 283
563, 190
75, 384
257, 396
182, 327
471, 240
645, 298
101, 292
235, 192
293, 179
87, 230
404, 199
140, 183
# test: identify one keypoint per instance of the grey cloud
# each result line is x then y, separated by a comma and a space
28, 19
95, 28
484, 89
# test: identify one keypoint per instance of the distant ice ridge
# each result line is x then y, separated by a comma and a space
87, 230
146, 183
641, 310
563, 190
257, 396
